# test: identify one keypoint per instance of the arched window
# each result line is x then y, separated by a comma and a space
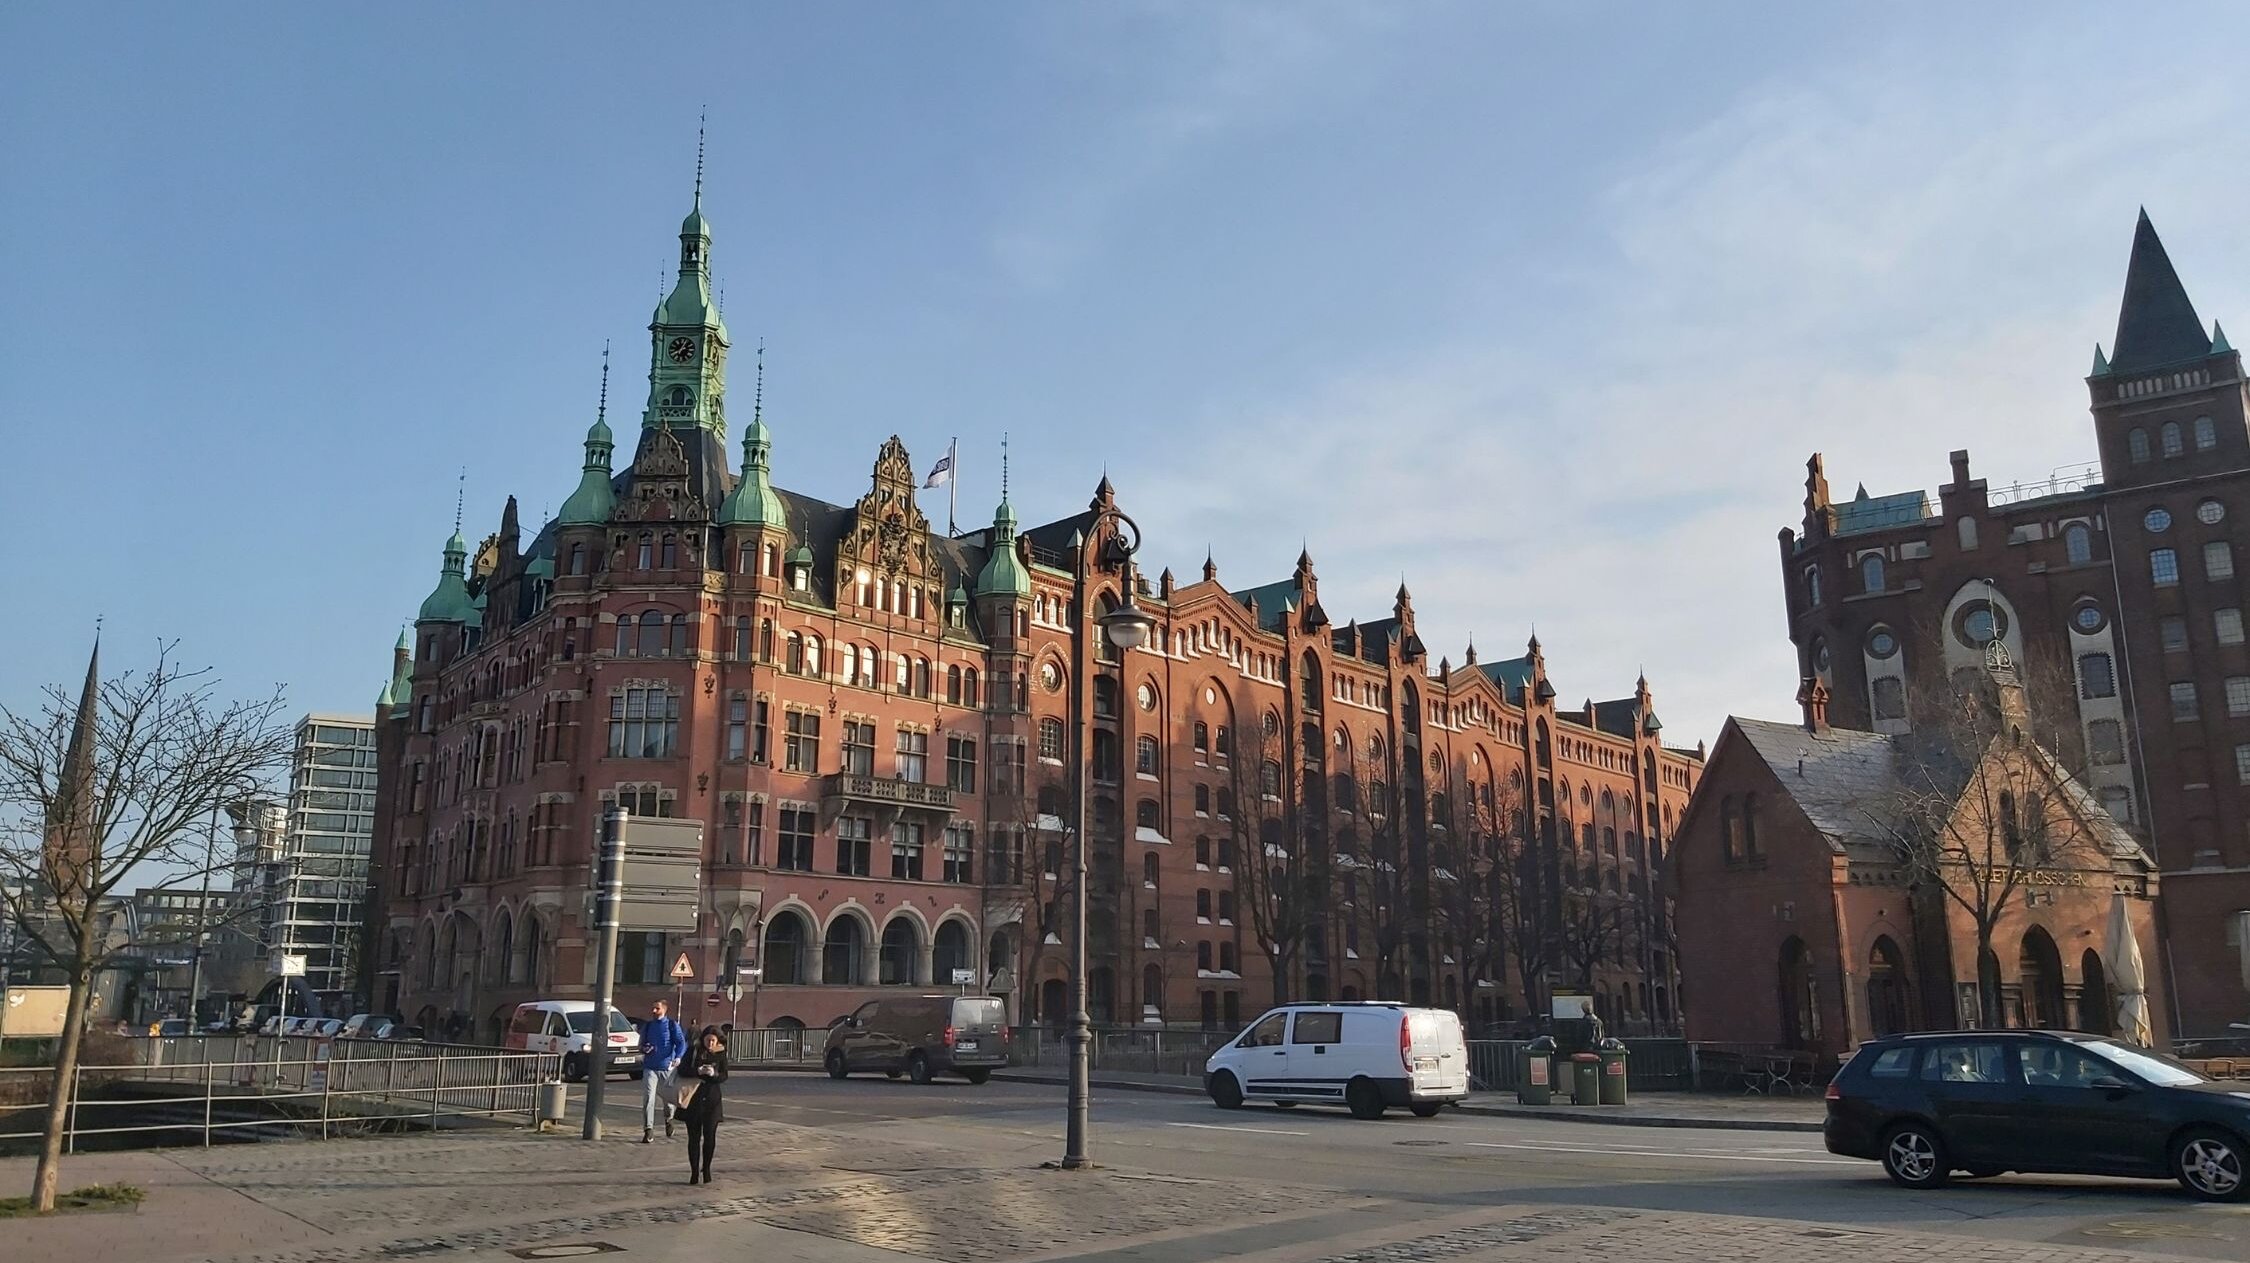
1152, 990
2206, 434
679, 636
901, 954
1309, 681
1148, 868
1750, 826
1201, 736
577, 559
1051, 739
1410, 709
843, 953
1203, 800
2172, 439
953, 684
949, 951
671, 552
1105, 697
1144, 814
921, 677
648, 551
1730, 828
1222, 742
1871, 573
1269, 779
2136, 446
870, 665
1888, 693
969, 687
2078, 544
1144, 756
794, 661
652, 637
848, 662
785, 958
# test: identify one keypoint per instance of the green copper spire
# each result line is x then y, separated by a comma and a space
2101, 362
401, 687
687, 372
753, 502
1003, 573
449, 601
2219, 343
591, 503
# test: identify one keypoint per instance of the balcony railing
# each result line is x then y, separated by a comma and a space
882, 792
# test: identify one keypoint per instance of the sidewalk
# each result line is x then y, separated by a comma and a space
1711, 1110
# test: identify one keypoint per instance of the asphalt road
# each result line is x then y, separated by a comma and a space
1456, 1160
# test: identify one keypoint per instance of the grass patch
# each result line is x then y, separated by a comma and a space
91, 1197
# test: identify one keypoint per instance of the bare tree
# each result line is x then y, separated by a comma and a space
111, 786
1275, 857
1979, 808
1389, 890
1592, 926
1470, 885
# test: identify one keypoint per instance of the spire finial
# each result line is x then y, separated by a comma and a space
601, 410
460, 498
1003, 464
758, 392
700, 119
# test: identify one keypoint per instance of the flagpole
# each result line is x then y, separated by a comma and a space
952, 485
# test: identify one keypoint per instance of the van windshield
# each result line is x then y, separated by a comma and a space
582, 1021
981, 1012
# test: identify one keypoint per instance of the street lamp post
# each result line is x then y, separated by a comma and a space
1127, 627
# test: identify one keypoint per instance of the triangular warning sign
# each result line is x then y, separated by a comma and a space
681, 968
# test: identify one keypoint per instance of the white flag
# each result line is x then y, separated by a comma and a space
942, 472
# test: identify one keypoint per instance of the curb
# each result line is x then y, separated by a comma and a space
1540, 1113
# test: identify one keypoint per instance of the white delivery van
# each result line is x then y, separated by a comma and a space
1367, 1056
567, 1027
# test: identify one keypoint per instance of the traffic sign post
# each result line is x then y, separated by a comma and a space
682, 970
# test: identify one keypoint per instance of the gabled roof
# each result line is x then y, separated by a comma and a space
1843, 781
1511, 674
2156, 324
1272, 599
1621, 717
1864, 512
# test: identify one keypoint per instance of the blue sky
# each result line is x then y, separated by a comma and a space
1539, 305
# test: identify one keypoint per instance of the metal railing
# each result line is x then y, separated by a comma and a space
202, 1088
775, 1045
1123, 1049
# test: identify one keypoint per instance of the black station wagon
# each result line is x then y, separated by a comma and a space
1985, 1102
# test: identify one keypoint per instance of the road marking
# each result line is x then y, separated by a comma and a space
1261, 1131
1649, 1153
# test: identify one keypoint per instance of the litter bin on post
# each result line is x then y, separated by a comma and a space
1535, 1077
554, 1103
1613, 1057
1586, 1079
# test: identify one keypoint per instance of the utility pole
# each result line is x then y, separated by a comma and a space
612, 869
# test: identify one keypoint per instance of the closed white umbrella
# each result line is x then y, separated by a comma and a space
2128, 976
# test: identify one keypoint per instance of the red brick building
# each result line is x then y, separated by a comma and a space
876, 723
1809, 920
2115, 585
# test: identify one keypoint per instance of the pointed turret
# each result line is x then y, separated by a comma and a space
2219, 343
72, 819
2101, 362
1003, 573
1210, 568
754, 502
1471, 658
402, 669
449, 602
2156, 324
591, 503
1104, 494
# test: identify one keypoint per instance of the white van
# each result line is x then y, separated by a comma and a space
1365, 1055
567, 1027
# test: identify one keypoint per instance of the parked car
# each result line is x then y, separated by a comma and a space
1366, 1055
567, 1027
921, 1037
1986, 1102
365, 1026
403, 1033
174, 1028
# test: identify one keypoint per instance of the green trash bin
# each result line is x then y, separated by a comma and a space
1613, 1057
1586, 1079
1535, 1078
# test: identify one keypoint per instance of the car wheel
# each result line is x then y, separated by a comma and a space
1426, 1109
2209, 1164
837, 1068
918, 1068
1364, 1099
1226, 1091
978, 1077
574, 1069
1914, 1156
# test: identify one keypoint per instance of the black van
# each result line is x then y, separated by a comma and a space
921, 1037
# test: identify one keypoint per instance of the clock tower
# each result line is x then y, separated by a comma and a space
687, 375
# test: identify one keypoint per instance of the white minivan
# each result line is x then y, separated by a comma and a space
567, 1027
1366, 1055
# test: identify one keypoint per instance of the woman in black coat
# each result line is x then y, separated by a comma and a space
705, 1066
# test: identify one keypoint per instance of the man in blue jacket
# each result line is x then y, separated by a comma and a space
663, 1043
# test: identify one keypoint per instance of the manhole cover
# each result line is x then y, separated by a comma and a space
2152, 1228
571, 1250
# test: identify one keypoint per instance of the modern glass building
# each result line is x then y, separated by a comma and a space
319, 885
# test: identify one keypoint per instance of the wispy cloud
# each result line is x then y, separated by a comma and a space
1887, 261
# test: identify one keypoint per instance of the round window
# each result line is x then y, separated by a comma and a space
2088, 618
1978, 624
1146, 697
2158, 521
1820, 656
2210, 513
1882, 644
1050, 676
1210, 696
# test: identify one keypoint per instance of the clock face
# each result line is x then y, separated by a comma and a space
682, 350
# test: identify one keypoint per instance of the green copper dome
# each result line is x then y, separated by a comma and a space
1003, 573
449, 601
591, 503
753, 502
